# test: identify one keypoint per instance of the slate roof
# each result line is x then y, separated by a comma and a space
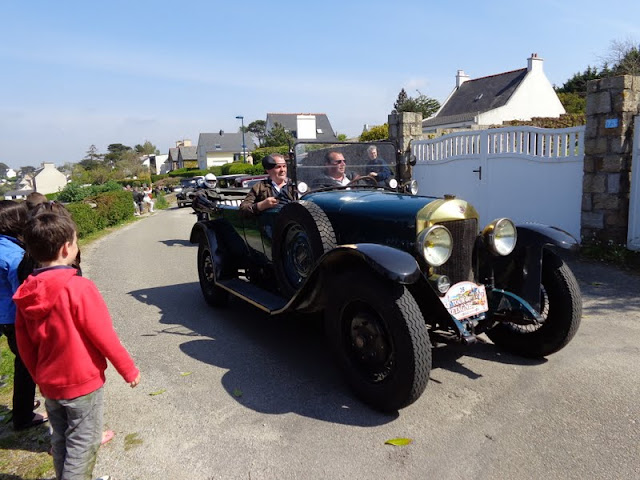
289, 122
229, 142
173, 154
188, 153
477, 96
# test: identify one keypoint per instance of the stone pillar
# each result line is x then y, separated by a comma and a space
404, 127
612, 104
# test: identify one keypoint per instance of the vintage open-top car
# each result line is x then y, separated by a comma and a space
389, 268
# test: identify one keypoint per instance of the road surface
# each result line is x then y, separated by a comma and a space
234, 394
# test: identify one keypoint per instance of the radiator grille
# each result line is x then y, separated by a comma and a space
460, 266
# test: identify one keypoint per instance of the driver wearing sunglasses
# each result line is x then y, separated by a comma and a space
335, 173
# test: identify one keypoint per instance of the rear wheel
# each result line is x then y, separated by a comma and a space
380, 340
213, 294
561, 308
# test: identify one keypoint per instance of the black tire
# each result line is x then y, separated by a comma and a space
561, 307
302, 234
213, 294
380, 339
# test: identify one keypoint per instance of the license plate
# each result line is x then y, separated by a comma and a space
465, 299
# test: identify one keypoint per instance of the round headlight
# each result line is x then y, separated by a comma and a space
436, 244
393, 183
413, 187
501, 235
303, 187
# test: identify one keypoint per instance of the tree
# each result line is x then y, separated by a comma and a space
92, 159
422, 104
377, 132
278, 136
116, 150
342, 137
578, 82
130, 165
573, 102
258, 128
28, 170
147, 148
3, 169
624, 55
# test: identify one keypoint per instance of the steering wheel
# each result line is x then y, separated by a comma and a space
366, 179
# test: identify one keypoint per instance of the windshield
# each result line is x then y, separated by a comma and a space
326, 166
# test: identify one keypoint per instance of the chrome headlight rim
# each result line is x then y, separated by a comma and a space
494, 236
433, 254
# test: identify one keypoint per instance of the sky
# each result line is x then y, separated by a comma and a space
76, 74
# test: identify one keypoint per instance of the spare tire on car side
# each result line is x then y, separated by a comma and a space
302, 234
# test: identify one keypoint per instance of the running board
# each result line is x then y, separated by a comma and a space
258, 297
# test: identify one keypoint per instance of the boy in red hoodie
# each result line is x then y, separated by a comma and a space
65, 335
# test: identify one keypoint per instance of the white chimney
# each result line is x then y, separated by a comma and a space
534, 63
461, 77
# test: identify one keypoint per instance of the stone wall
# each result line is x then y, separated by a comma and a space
612, 104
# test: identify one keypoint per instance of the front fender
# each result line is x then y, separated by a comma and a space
395, 265
521, 271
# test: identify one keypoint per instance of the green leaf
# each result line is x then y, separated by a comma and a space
398, 442
237, 392
157, 392
184, 374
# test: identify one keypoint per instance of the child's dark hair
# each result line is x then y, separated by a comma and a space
34, 199
13, 218
46, 233
50, 207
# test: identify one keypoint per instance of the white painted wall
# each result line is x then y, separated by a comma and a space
49, 179
527, 174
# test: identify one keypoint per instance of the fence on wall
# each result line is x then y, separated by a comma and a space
528, 174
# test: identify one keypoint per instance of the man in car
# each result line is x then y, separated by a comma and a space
272, 191
335, 173
377, 167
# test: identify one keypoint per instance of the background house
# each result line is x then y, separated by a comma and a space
219, 148
516, 95
187, 157
303, 126
48, 179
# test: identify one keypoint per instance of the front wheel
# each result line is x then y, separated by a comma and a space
380, 340
213, 294
561, 308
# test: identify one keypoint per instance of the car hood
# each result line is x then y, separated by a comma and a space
360, 216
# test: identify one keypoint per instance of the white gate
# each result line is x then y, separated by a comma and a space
633, 235
525, 173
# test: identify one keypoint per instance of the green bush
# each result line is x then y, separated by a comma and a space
73, 192
114, 207
161, 202
259, 153
246, 168
85, 217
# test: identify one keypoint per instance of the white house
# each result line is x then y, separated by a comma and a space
48, 179
219, 148
516, 95
10, 173
303, 126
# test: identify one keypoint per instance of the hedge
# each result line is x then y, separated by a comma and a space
111, 208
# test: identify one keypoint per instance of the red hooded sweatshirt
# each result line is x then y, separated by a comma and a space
64, 334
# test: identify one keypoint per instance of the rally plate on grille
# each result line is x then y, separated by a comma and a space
465, 299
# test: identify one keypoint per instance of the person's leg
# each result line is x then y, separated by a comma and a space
24, 389
83, 435
58, 421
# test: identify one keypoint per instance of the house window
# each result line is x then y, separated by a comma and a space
318, 130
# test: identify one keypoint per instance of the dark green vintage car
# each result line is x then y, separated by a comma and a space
391, 270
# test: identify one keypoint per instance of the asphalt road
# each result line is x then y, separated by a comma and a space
234, 394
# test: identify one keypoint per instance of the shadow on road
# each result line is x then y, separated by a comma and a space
275, 365
178, 241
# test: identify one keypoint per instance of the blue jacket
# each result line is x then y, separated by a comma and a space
11, 253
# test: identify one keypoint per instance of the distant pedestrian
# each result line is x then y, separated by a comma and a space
138, 201
147, 194
64, 331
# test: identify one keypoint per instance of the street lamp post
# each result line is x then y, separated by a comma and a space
244, 145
